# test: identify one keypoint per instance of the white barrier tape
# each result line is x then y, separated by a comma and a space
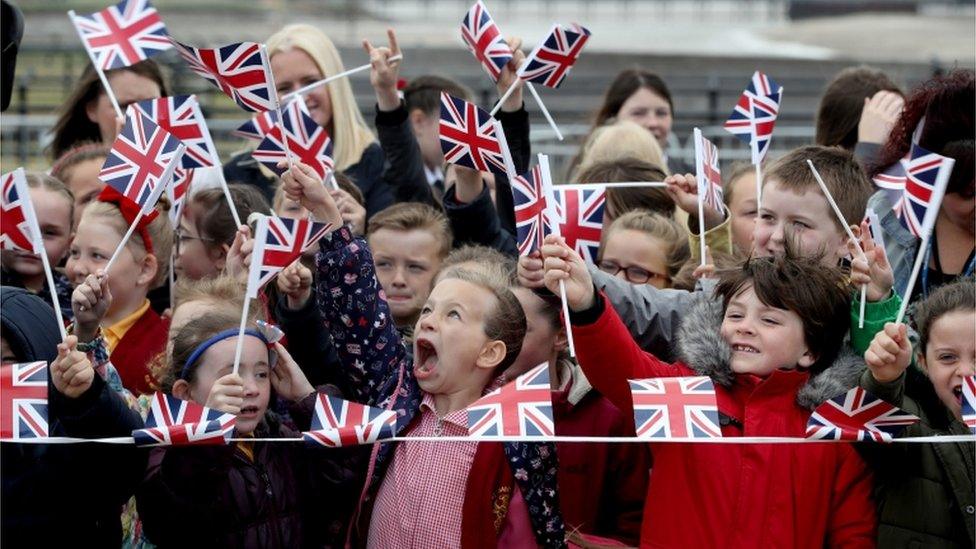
571, 439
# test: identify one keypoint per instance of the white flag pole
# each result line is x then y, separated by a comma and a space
508, 93
850, 234
273, 92
101, 74
614, 185
554, 224
253, 281
304, 90
700, 183
125, 239
756, 161
928, 225
210, 145
506, 152
49, 274
545, 111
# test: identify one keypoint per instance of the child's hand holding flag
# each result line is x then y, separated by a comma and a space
872, 268
890, 353
295, 282
71, 372
303, 185
562, 263
89, 302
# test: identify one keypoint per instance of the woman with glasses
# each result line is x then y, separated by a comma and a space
644, 248
207, 229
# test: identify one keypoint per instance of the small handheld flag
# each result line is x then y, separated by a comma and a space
530, 211
339, 423
520, 408
858, 415
238, 69
969, 403
180, 116
23, 401
675, 407
306, 140
176, 192
483, 39
579, 213
709, 184
278, 242
258, 126
19, 230
754, 115
122, 34
471, 137
176, 422
549, 64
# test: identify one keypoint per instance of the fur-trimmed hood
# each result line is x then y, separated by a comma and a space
699, 344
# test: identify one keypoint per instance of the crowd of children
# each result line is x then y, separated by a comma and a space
417, 302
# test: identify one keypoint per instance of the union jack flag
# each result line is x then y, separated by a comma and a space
307, 141
892, 179
550, 62
18, 223
708, 173
969, 403
23, 401
755, 114
530, 210
258, 126
279, 241
237, 69
469, 136
675, 407
123, 34
857, 415
484, 40
338, 423
520, 408
579, 213
180, 115
141, 161
176, 422
926, 177
177, 192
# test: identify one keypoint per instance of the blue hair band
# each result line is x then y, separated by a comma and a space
218, 337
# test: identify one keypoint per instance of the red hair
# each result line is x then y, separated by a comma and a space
946, 102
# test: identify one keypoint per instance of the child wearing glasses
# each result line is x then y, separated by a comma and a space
644, 248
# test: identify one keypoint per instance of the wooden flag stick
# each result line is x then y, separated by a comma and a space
305, 89
98, 69
850, 234
545, 111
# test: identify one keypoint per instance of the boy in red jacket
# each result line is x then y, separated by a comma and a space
770, 344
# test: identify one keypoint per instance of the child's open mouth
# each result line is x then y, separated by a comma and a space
957, 391
249, 412
740, 348
425, 361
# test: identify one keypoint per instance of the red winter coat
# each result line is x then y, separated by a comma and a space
601, 486
751, 495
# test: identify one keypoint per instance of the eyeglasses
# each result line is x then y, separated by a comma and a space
182, 239
633, 274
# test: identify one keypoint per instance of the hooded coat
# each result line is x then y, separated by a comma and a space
726, 495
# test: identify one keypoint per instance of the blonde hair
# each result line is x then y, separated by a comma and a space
350, 134
223, 290
660, 227
620, 139
409, 216
55, 185
159, 229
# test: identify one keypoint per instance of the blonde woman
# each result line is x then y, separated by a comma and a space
618, 140
302, 54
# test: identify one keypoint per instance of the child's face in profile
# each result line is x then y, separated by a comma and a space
406, 262
743, 208
950, 356
632, 253
218, 361
449, 339
53, 212
806, 215
196, 258
763, 338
